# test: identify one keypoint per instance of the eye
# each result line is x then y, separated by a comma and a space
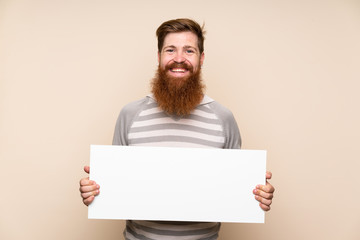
189, 51
169, 50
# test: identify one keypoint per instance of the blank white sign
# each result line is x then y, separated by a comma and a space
176, 184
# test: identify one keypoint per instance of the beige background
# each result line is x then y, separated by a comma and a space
289, 71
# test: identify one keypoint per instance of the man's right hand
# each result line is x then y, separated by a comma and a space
88, 188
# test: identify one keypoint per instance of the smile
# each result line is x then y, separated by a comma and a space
178, 70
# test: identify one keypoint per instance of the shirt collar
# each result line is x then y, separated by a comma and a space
206, 99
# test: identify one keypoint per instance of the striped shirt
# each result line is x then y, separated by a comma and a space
143, 123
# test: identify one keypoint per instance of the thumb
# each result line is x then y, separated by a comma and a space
268, 175
87, 169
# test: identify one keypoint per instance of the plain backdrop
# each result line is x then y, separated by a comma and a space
289, 71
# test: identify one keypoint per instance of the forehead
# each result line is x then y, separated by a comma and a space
181, 39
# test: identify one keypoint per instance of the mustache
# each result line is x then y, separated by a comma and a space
179, 65
177, 96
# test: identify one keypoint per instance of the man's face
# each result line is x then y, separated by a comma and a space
177, 85
180, 55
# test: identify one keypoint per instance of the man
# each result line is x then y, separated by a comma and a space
179, 114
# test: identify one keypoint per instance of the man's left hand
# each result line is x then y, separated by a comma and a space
265, 193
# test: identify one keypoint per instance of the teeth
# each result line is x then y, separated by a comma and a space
178, 70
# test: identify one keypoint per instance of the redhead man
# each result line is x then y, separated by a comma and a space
178, 114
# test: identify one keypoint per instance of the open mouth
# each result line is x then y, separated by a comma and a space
178, 70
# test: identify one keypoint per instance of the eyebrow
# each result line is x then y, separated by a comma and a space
170, 46
185, 47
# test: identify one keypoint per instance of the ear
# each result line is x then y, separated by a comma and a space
158, 57
202, 57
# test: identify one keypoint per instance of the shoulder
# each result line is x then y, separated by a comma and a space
230, 127
133, 107
221, 111
126, 117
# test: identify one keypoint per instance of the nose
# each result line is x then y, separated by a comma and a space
179, 57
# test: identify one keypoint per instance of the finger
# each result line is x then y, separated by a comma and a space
264, 207
268, 175
263, 194
263, 200
86, 181
85, 195
87, 169
88, 200
89, 188
266, 188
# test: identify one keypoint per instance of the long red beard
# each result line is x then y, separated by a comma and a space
177, 96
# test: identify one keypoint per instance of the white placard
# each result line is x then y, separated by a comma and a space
176, 184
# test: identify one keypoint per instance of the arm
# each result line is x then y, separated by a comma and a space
263, 193
88, 188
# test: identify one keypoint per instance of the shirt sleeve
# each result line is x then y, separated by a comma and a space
230, 127
125, 120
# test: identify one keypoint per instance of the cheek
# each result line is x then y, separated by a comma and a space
162, 65
195, 65
195, 62
164, 61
